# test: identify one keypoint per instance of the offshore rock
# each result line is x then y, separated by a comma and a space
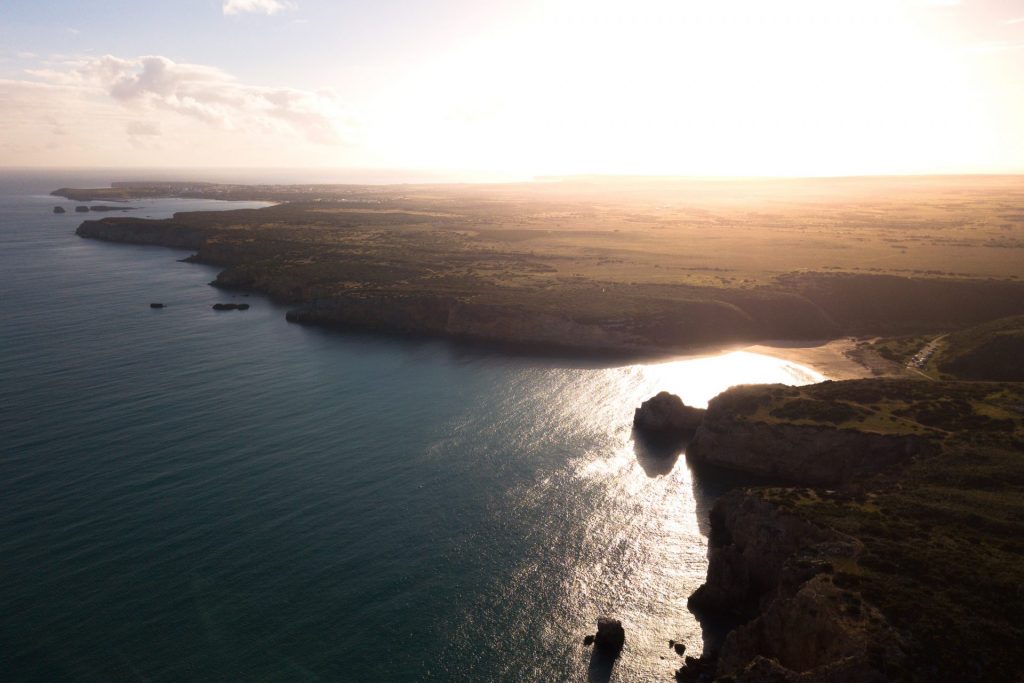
58, 209
610, 638
665, 417
696, 669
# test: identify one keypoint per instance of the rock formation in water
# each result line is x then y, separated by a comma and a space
230, 307
58, 209
610, 637
156, 305
82, 209
666, 418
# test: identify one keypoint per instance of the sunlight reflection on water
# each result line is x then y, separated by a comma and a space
614, 538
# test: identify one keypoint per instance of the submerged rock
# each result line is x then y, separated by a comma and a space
230, 307
156, 305
82, 209
666, 418
610, 638
58, 209
696, 669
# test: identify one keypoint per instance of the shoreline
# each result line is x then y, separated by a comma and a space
830, 358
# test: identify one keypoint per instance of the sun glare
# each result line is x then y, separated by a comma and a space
737, 88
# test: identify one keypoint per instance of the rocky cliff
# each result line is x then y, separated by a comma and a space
778, 574
740, 433
132, 231
453, 318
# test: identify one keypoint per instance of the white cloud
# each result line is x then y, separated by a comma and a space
116, 111
208, 95
256, 6
142, 129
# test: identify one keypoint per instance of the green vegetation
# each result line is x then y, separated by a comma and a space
899, 349
943, 536
990, 351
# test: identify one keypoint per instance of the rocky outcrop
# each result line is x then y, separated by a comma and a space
456, 318
774, 572
751, 542
131, 231
82, 209
666, 418
610, 638
58, 209
731, 436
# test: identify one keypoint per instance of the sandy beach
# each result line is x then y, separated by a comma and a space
830, 358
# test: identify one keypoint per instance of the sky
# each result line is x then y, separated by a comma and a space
517, 88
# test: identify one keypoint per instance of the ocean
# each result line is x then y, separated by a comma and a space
187, 494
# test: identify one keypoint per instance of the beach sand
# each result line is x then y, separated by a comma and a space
835, 359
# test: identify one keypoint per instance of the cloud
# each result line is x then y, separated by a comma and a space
1016, 20
206, 94
256, 6
142, 129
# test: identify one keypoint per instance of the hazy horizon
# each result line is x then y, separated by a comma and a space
516, 91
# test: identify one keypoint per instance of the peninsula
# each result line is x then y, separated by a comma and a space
628, 266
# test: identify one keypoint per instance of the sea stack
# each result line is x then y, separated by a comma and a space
610, 638
665, 418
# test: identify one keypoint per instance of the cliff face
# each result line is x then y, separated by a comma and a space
450, 317
778, 571
129, 231
732, 437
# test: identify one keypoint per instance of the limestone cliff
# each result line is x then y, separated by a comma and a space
777, 571
737, 434
131, 231
457, 319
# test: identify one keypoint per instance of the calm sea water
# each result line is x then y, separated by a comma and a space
194, 495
